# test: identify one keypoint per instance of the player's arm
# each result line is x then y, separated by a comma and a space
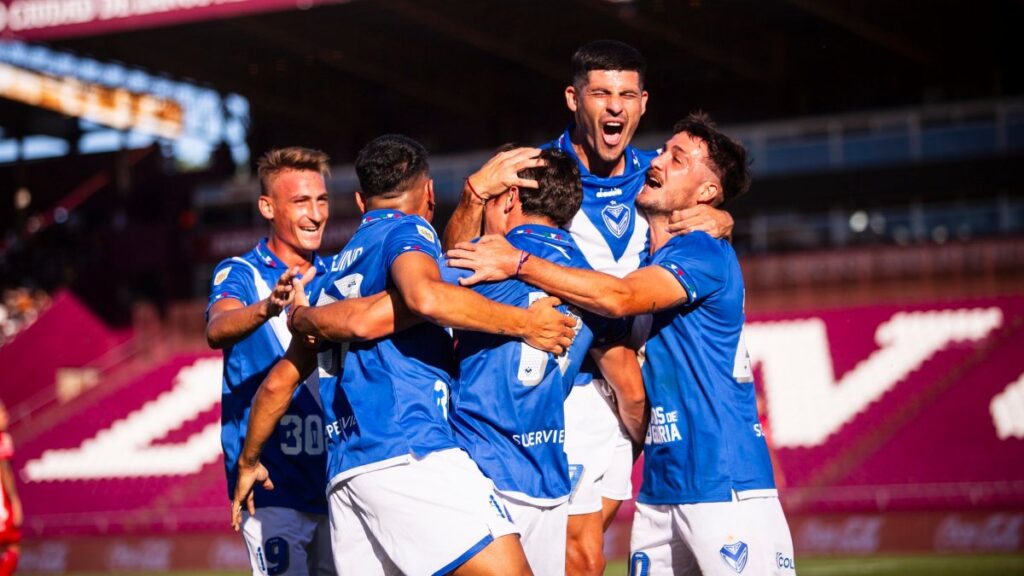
268, 406
230, 321
494, 177
641, 292
10, 487
620, 367
418, 280
701, 218
366, 318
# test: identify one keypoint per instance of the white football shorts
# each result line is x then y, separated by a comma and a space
542, 532
282, 541
598, 448
427, 516
749, 537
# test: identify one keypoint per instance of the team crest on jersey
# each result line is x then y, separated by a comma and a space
221, 276
425, 232
735, 555
616, 218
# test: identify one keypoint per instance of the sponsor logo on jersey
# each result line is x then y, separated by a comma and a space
537, 437
425, 232
221, 276
343, 424
735, 556
608, 192
664, 427
616, 218
784, 562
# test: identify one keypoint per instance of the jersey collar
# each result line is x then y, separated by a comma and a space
544, 233
374, 216
565, 145
270, 260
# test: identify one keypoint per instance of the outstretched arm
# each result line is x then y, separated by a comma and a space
619, 365
230, 321
646, 290
366, 318
268, 406
418, 280
494, 177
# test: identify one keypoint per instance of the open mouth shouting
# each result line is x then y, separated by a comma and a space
612, 132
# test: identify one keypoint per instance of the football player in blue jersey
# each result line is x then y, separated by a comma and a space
507, 403
248, 294
708, 504
607, 99
403, 496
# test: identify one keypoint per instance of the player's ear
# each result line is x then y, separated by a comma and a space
512, 199
266, 207
570, 98
643, 102
709, 192
360, 202
428, 190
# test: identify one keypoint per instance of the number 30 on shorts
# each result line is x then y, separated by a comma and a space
302, 435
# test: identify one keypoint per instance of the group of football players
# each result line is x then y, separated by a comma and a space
474, 404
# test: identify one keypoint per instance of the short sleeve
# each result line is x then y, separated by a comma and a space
411, 234
231, 279
451, 275
696, 262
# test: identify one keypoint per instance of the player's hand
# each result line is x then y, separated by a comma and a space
300, 299
248, 477
299, 285
549, 329
283, 294
502, 172
491, 259
717, 223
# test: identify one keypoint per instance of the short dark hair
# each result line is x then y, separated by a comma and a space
728, 157
389, 163
606, 55
277, 160
559, 192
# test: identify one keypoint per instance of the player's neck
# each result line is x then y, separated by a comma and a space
405, 204
658, 233
529, 219
593, 162
288, 254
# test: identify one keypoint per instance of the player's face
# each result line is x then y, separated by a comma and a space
677, 176
299, 208
608, 110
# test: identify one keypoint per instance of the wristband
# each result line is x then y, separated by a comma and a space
290, 321
475, 193
522, 260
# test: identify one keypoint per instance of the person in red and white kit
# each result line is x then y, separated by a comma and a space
10, 504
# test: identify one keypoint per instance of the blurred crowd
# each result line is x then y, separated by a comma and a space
19, 309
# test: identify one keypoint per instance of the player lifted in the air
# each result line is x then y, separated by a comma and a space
708, 503
607, 99
404, 498
248, 295
507, 403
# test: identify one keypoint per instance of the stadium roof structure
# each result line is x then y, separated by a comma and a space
464, 74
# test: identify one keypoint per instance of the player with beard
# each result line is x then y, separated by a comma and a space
708, 504
607, 99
